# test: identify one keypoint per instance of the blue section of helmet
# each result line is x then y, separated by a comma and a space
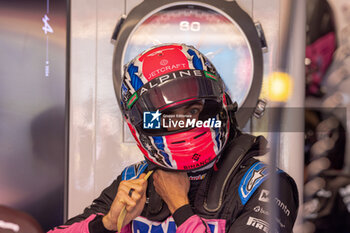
197, 63
158, 141
124, 89
134, 171
135, 80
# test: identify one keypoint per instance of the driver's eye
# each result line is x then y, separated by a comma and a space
194, 111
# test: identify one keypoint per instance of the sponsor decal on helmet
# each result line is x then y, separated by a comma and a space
170, 76
196, 165
166, 68
164, 62
196, 157
210, 75
132, 100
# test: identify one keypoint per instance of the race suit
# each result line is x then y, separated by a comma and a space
231, 197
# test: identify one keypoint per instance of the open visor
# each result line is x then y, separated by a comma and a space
175, 89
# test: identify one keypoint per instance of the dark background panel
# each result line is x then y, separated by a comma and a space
33, 108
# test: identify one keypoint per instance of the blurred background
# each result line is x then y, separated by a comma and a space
61, 133
33, 56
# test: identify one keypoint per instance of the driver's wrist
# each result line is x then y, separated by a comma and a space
174, 205
182, 214
96, 225
108, 224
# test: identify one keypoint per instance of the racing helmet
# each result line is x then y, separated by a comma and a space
168, 85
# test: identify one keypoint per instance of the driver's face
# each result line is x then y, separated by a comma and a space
188, 111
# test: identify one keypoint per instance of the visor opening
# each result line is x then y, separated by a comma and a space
178, 142
200, 135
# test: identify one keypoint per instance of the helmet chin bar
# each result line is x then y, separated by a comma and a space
210, 164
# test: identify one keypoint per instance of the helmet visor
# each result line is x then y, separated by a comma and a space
168, 95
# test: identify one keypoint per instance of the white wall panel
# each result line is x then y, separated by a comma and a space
97, 152
112, 155
82, 105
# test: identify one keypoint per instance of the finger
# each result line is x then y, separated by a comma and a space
126, 200
130, 202
129, 185
130, 206
142, 176
133, 193
130, 192
138, 182
149, 173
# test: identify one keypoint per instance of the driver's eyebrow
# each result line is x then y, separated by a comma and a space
193, 104
186, 107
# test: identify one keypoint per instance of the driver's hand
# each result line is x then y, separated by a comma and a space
134, 204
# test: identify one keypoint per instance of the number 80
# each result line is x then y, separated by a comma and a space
187, 26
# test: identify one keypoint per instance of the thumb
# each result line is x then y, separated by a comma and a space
146, 176
142, 175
